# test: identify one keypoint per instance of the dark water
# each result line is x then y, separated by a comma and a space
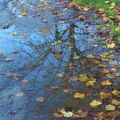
49, 49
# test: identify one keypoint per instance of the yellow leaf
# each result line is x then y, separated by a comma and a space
111, 45
60, 75
81, 113
95, 103
79, 95
104, 19
83, 78
105, 71
90, 56
117, 29
85, 8
24, 14
112, 4
66, 90
106, 83
104, 95
110, 107
90, 83
14, 33
116, 93
107, 2
115, 102
100, 11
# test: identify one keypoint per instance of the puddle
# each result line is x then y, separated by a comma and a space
48, 56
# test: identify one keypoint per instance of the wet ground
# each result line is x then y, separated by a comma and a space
50, 51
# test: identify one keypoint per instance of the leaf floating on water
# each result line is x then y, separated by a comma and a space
79, 95
95, 103
66, 114
14, 33
90, 83
66, 90
90, 56
25, 81
40, 99
83, 78
106, 83
58, 115
80, 113
21, 94
24, 35
116, 93
105, 71
60, 75
24, 14
110, 107
104, 95
111, 45
115, 102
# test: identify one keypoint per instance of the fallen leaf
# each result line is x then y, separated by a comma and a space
110, 107
90, 56
95, 103
25, 81
24, 14
106, 83
90, 83
66, 90
78, 95
21, 94
115, 102
104, 95
116, 93
40, 99
83, 78
24, 35
60, 75
111, 45
66, 114
105, 71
